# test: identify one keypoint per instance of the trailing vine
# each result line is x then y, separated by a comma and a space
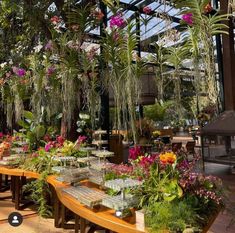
39, 188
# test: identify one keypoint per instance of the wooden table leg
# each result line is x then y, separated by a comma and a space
0, 181
77, 223
63, 216
17, 192
82, 225
13, 187
57, 207
64, 221
6, 180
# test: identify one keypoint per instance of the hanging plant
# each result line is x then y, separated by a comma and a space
124, 70
91, 84
195, 15
175, 57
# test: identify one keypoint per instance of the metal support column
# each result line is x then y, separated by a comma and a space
137, 18
104, 112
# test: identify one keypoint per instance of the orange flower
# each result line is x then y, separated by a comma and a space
97, 14
208, 8
167, 158
2, 81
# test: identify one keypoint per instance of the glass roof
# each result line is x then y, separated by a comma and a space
162, 18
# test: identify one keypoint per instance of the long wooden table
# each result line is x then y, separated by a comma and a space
103, 216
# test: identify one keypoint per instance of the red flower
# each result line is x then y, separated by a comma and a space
60, 140
47, 138
25, 148
147, 10
55, 19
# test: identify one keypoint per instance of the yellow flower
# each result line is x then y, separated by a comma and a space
167, 158
156, 133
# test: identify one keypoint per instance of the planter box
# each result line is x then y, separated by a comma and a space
140, 223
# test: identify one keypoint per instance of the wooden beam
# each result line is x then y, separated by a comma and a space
228, 61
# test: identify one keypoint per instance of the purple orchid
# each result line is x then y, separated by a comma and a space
19, 71
51, 70
49, 45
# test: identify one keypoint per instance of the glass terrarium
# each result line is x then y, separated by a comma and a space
86, 196
121, 203
96, 177
86, 160
74, 175
64, 160
97, 138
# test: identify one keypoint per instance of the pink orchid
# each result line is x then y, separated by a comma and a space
82, 139
48, 146
147, 10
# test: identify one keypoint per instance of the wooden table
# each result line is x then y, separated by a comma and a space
16, 176
103, 216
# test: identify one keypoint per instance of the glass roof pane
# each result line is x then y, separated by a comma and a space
128, 1
159, 28
127, 14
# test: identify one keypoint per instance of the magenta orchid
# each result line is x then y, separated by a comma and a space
48, 146
117, 21
81, 139
188, 18
19, 71
135, 152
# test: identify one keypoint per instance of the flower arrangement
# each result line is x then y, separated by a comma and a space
170, 189
58, 143
5, 149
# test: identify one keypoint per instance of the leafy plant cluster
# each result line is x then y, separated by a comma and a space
39, 190
174, 198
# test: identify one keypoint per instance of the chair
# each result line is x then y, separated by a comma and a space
190, 147
166, 139
176, 146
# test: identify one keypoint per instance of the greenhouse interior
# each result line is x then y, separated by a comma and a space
117, 116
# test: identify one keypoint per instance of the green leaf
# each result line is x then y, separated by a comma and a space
169, 198
31, 137
23, 124
28, 115
40, 131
